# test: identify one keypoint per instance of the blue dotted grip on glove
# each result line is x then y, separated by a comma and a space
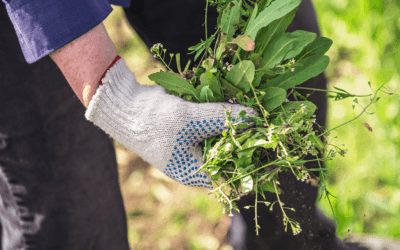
182, 166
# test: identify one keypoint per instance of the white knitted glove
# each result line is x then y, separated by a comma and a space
161, 128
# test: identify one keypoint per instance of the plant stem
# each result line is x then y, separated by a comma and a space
205, 23
285, 218
331, 91
327, 192
255, 206
355, 118
259, 104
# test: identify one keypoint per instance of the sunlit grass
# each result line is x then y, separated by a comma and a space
366, 182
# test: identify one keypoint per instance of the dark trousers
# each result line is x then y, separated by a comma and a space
58, 173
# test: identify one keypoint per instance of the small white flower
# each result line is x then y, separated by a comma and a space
293, 61
292, 69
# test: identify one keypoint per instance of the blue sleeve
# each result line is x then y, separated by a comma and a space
42, 26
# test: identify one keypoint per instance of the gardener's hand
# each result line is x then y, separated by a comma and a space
163, 129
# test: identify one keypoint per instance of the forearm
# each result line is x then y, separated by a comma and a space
84, 60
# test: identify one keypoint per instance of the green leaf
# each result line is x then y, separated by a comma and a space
247, 184
199, 48
230, 19
264, 4
175, 83
214, 84
208, 79
312, 66
301, 39
286, 46
229, 89
206, 95
310, 107
253, 15
256, 143
318, 143
274, 11
273, 98
244, 42
258, 78
255, 58
273, 30
318, 47
269, 186
242, 75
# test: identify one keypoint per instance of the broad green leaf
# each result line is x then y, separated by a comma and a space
253, 15
206, 95
274, 11
269, 186
264, 4
273, 98
208, 79
246, 184
310, 107
312, 66
273, 30
174, 83
302, 39
230, 19
242, 75
286, 46
244, 42
229, 89
318, 47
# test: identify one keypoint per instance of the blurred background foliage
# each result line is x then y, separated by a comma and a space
366, 47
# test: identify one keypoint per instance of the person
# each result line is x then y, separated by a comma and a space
58, 174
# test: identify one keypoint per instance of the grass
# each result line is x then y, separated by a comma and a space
165, 215
366, 48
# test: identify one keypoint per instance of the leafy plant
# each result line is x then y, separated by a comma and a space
251, 60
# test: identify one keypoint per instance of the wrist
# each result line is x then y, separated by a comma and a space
84, 60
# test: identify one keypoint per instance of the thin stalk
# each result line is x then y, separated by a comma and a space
327, 193
280, 204
293, 150
205, 23
331, 91
255, 206
355, 118
259, 104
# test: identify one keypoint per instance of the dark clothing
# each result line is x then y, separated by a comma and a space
58, 173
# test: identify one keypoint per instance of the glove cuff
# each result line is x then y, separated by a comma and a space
105, 72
